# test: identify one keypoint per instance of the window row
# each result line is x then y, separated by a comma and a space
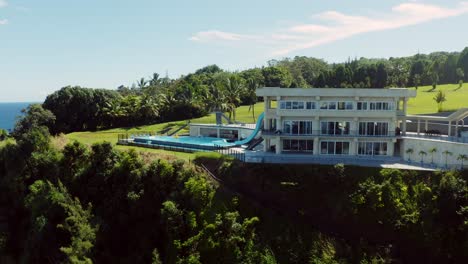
336, 105
372, 148
373, 128
297, 105
334, 147
298, 145
375, 106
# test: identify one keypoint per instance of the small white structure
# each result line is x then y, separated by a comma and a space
229, 131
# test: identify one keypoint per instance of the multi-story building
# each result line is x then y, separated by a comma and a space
334, 121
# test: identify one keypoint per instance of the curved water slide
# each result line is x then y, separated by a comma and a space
258, 128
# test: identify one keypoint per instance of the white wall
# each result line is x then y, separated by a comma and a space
439, 158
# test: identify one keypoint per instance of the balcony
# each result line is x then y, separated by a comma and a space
326, 133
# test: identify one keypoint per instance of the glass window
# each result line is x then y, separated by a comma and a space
372, 106
300, 105
332, 105
310, 105
295, 127
282, 105
287, 127
341, 105
324, 127
349, 106
324, 105
286, 144
323, 147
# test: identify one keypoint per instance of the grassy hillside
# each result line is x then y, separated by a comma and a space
425, 104
422, 104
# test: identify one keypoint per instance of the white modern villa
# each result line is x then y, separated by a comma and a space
361, 123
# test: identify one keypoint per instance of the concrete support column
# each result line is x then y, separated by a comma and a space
316, 126
405, 105
403, 127
279, 123
279, 145
316, 146
391, 147
456, 128
217, 132
419, 126
450, 128
353, 147
426, 126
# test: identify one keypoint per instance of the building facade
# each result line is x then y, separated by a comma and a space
334, 121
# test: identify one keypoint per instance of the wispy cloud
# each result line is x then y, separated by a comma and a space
3, 3
3, 21
332, 26
213, 35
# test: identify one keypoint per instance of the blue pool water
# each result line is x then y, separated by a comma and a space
207, 143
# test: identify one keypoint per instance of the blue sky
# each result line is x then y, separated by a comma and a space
45, 45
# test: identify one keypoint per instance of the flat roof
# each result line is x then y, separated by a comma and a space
345, 92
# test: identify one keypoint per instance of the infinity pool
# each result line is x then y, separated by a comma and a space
207, 143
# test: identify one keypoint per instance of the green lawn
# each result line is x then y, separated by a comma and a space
425, 104
422, 104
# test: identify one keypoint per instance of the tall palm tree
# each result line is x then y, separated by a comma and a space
142, 83
409, 151
422, 153
252, 86
233, 92
432, 151
462, 158
447, 153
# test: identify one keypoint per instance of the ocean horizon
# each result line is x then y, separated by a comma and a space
9, 113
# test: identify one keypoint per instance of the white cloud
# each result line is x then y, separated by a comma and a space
213, 35
332, 26
3, 21
3, 3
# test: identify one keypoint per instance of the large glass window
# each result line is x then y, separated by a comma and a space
297, 127
362, 105
375, 106
372, 148
373, 128
295, 105
335, 128
334, 147
298, 145
310, 105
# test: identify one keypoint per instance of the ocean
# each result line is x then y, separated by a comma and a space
8, 114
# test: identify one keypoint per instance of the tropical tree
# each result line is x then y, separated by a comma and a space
462, 158
142, 83
440, 98
252, 95
233, 92
409, 151
416, 80
447, 153
432, 151
422, 153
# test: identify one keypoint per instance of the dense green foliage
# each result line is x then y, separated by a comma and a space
157, 100
417, 216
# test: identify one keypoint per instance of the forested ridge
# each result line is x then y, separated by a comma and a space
160, 99
95, 204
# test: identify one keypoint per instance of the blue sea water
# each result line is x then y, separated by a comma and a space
9, 113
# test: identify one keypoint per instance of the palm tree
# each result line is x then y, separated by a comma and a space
422, 153
447, 153
233, 91
251, 94
142, 83
462, 158
440, 98
409, 151
432, 151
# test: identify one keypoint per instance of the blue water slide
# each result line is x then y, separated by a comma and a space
258, 127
